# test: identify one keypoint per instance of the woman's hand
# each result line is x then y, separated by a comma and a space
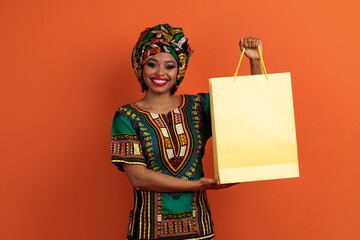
251, 51
208, 183
251, 47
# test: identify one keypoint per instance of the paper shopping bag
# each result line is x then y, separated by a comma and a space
253, 128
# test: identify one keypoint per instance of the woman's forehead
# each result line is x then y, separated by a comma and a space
163, 56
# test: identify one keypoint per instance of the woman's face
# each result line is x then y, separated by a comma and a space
160, 73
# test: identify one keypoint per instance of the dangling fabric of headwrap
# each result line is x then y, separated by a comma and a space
161, 38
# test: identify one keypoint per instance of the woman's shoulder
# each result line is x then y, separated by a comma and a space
125, 111
198, 97
124, 107
199, 102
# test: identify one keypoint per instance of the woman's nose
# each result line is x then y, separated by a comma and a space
161, 70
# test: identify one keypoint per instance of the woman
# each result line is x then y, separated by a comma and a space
159, 140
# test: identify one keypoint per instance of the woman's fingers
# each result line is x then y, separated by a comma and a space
241, 44
249, 42
228, 185
209, 183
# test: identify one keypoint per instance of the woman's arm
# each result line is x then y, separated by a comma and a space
251, 51
147, 179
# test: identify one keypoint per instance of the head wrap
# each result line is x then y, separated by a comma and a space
161, 38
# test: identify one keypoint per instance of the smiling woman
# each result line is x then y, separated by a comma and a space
159, 141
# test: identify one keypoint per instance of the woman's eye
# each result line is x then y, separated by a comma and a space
151, 64
170, 66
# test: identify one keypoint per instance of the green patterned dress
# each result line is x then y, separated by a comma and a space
172, 144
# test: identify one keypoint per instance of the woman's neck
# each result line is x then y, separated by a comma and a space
159, 103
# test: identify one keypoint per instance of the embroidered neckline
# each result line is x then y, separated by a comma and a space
181, 100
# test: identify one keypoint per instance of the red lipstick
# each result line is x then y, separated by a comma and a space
159, 81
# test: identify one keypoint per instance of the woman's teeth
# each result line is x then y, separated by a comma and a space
160, 81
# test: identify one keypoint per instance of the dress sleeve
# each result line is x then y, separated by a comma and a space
206, 113
125, 143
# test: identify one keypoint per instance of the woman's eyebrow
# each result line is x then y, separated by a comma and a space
169, 61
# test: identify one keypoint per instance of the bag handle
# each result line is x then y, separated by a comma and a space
263, 69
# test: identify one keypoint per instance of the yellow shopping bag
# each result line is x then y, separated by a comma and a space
253, 127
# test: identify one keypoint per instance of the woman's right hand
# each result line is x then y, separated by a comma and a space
208, 183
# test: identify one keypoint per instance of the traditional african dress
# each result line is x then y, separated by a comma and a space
172, 144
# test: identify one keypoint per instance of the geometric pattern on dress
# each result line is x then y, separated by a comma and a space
203, 210
177, 118
176, 110
179, 128
170, 153
159, 123
182, 151
154, 115
175, 140
141, 222
177, 224
126, 148
182, 140
180, 133
190, 224
164, 132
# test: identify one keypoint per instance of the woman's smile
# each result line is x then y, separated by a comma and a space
159, 81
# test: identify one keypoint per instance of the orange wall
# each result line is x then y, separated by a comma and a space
65, 68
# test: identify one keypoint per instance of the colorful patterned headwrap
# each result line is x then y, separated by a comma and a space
161, 38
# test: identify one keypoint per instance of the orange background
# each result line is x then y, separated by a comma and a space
65, 68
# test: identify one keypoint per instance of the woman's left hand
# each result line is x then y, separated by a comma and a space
208, 184
251, 47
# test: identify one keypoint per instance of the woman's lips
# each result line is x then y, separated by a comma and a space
158, 81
